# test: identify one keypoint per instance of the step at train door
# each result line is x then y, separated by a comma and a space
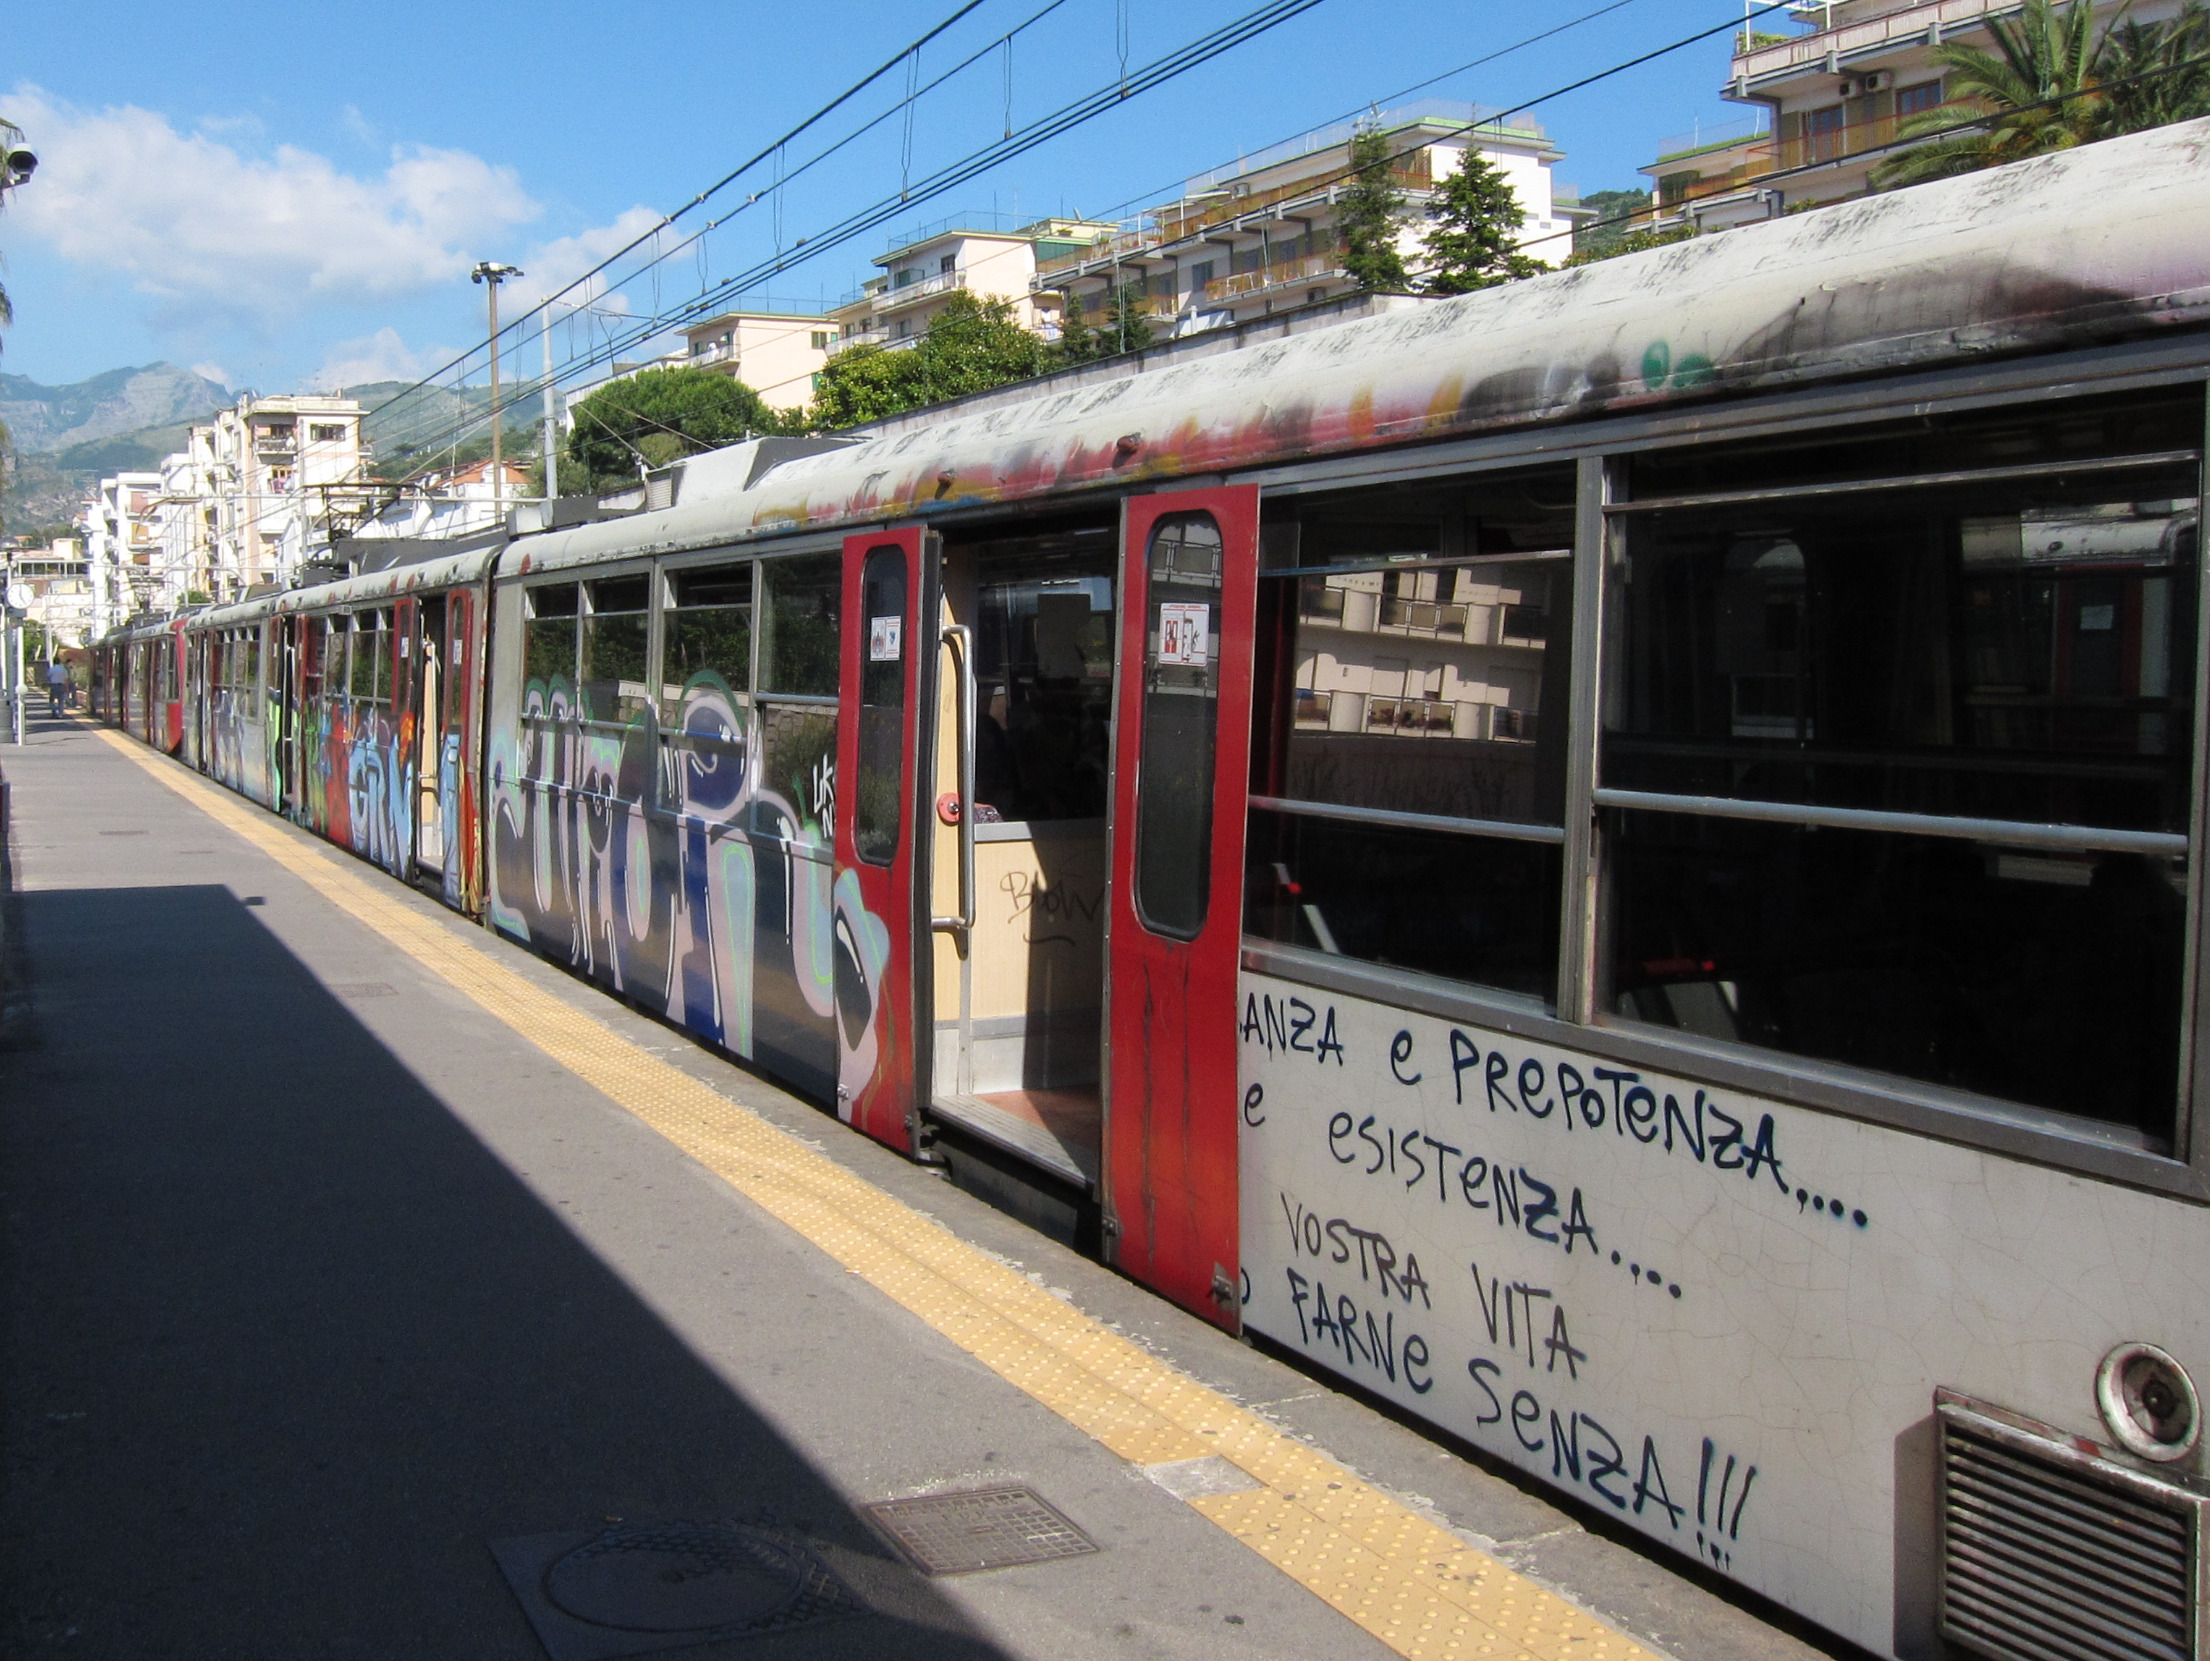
1181, 781
880, 919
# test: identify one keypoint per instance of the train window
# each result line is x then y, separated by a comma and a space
549, 638
798, 623
707, 636
1044, 674
1181, 698
613, 681
2023, 436
249, 663
1824, 709
706, 686
881, 705
1411, 764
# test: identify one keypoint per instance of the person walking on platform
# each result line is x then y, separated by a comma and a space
57, 686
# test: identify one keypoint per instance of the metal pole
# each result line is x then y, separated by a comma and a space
552, 422
498, 469
15, 628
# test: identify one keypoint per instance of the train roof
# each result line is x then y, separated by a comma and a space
2099, 243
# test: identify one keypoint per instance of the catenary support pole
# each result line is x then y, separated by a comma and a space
552, 421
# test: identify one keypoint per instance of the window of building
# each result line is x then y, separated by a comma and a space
1899, 775
1410, 766
327, 432
821, 339
1200, 276
905, 327
946, 264
1913, 100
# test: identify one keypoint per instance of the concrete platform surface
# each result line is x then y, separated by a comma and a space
319, 1280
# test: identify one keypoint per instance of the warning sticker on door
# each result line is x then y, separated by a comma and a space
1183, 630
885, 639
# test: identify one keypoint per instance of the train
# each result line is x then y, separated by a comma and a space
1607, 860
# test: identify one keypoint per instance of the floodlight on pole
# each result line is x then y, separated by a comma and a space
491, 274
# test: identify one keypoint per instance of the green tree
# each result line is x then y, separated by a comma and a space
659, 416
2036, 91
1078, 342
2154, 73
1475, 239
1371, 209
1613, 224
1126, 327
971, 345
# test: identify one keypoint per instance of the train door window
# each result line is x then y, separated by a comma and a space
365, 645
706, 688
1044, 675
613, 680
1181, 670
1826, 708
249, 663
882, 675
1409, 775
800, 599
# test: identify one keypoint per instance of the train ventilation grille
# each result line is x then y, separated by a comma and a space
2052, 1551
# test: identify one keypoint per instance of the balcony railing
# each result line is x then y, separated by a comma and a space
1180, 221
1927, 21
941, 283
1809, 149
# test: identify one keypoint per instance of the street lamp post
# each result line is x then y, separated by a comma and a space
491, 275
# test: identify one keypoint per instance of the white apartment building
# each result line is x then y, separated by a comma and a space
1262, 234
775, 353
122, 543
985, 255
271, 481
1831, 98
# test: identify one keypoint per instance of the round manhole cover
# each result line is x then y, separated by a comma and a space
676, 1577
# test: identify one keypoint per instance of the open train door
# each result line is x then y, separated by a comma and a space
880, 906
1181, 784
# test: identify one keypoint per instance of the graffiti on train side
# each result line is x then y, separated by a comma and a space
1533, 1248
690, 868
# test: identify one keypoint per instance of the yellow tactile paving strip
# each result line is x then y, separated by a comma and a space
1414, 1586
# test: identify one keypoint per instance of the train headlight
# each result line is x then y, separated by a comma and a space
2149, 1403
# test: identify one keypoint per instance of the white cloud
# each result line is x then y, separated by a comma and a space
214, 372
382, 356
552, 266
211, 230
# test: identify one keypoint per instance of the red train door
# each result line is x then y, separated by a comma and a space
880, 922
1181, 766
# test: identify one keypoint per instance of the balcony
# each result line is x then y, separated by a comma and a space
1907, 24
1192, 217
942, 283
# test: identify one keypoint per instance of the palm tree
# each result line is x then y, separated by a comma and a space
2035, 92
2154, 73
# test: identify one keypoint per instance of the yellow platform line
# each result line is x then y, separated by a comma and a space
1415, 1586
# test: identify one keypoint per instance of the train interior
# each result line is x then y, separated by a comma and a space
1019, 996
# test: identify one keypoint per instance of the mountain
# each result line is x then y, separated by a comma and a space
43, 420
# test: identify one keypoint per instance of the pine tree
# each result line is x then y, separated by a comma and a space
1372, 207
1078, 342
1475, 242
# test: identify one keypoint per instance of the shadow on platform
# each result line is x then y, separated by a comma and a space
287, 1346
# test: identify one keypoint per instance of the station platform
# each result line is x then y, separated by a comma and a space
372, 1289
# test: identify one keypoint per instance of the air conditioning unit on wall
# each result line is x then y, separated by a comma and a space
1872, 80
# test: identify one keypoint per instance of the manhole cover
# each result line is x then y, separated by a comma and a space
676, 1577
642, 1587
985, 1528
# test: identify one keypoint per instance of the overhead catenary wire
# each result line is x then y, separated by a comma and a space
1069, 116
538, 313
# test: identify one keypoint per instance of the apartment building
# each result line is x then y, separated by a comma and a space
1262, 234
774, 352
122, 541
985, 255
1831, 97
260, 489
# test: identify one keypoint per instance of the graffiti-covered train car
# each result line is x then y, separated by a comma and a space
1608, 859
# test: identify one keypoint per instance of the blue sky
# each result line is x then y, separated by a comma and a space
290, 196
